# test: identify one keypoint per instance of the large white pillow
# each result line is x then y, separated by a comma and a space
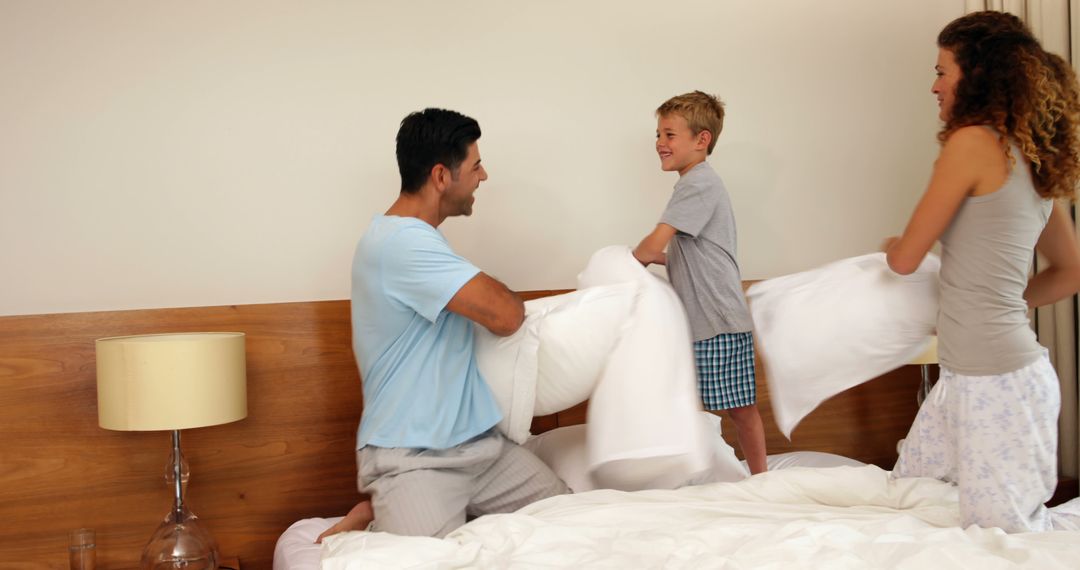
649, 374
725, 466
816, 459
823, 331
577, 333
508, 365
564, 451
553, 362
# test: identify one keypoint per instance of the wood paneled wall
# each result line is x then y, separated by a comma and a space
291, 458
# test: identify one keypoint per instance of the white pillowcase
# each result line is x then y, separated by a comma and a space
623, 342
508, 365
649, 374
577, 334
555, 359
809, 459
823, 331
725, 466
564, 451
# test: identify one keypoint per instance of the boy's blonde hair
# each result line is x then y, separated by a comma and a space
703, 112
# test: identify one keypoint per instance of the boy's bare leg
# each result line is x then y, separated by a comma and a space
751, 433
358, 519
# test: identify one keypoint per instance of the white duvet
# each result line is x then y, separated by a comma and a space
842, 517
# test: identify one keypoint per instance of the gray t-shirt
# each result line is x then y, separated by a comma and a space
701, 259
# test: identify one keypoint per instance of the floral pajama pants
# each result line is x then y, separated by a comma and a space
995, 437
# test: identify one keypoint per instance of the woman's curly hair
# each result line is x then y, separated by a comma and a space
1007, 81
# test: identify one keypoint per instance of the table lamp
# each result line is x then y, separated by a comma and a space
924, 360
173, 382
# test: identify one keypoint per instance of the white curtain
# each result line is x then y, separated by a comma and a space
1054, 22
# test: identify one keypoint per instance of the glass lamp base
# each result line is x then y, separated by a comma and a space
184, 545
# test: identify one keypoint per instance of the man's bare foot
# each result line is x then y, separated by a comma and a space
358, 519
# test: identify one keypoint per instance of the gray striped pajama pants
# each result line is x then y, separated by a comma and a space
429, 492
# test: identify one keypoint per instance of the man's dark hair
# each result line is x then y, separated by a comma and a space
430, 137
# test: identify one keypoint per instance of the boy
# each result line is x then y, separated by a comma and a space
699, 226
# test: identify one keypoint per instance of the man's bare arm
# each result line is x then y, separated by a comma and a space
487, 302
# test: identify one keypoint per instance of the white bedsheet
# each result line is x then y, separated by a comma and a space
842, 517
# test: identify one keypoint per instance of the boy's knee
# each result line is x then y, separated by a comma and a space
743, 413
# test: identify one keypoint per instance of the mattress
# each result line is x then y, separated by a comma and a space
296, 548
836, 517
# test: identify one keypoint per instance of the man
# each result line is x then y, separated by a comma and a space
427, 450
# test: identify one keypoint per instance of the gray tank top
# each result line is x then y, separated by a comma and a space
986, 254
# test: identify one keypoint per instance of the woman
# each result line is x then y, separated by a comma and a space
1009, 155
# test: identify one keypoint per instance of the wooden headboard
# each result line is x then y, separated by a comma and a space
291, 458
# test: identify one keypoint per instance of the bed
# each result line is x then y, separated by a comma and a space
846, 516
683, 499
296, 549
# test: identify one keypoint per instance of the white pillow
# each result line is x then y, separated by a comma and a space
809, 459
564, 451
649, 374
508, 365
823, 331
577, 334
725, 466
553, 362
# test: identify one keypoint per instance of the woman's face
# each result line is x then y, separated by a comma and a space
948, 75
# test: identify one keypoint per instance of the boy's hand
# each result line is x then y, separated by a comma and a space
645, 259
888, 243
651, 249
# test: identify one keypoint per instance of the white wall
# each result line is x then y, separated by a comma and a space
163, 154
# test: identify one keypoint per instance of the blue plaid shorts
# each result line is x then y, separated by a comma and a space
725, 367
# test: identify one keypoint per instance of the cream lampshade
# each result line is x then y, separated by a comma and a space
173, 382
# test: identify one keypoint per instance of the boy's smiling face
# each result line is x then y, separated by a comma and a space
679, 148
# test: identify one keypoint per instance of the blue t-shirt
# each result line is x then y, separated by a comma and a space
422, 388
